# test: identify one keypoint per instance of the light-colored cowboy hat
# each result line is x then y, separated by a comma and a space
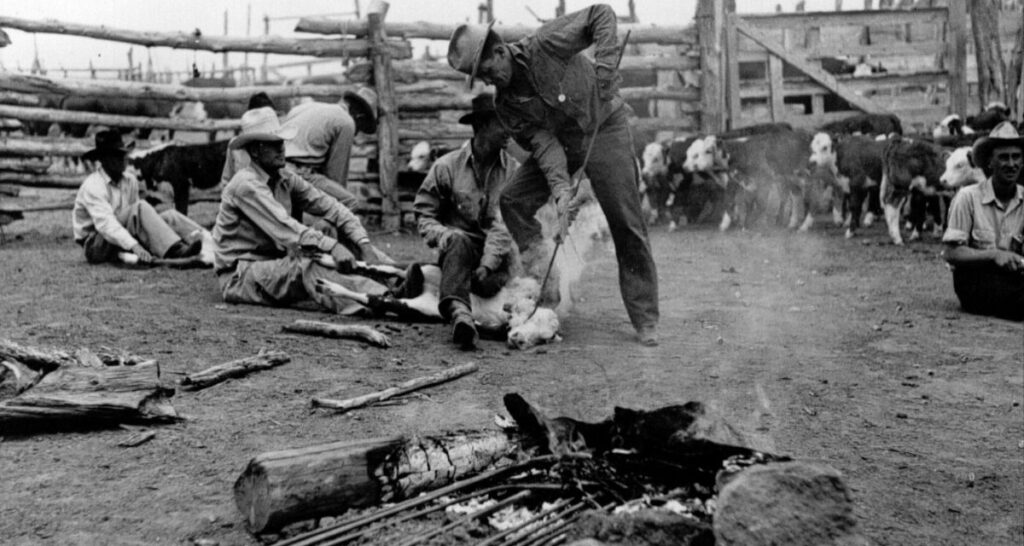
366, 98
261, 124
466, 47
1004, 134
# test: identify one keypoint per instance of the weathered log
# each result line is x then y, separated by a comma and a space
281, 487
235, 368
443, 376
78, 396
196, 41
10, 190
24, 166
45, 180
16, 378
44, 146
19, 99
110, 120
21, 206
409, 71
361, 332
44, 360
641, 34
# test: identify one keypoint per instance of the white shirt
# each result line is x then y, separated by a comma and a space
104, 206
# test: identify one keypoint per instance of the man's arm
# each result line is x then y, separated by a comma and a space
957, 236
551, 159
572, 33
436, 189
318, 203
498, 243
104, 218
258, 204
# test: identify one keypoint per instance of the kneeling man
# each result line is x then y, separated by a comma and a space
262, 254
458, 213
986, 230
109, 218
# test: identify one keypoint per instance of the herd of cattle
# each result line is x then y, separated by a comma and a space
772, 173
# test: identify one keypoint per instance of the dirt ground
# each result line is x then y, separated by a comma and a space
853, 353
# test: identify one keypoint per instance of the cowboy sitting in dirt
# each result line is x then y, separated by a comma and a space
262, 254
109, 218
986, 229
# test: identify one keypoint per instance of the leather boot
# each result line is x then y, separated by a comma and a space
181, 249
463, 328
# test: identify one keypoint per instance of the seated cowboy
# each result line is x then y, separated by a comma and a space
109, 217
262, 255
986, 230
458, 213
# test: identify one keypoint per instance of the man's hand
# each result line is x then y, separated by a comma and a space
143, 254
566, 210
482, 273
1009, 261
344, 258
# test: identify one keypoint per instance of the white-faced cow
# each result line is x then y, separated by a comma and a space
960, 170
854, 163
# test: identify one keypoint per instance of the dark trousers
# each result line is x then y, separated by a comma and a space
987, 290
613, 174
98, 250
458, 266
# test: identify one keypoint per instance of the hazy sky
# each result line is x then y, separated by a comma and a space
56, 51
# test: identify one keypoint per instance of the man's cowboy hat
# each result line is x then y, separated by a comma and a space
483, 105
1004, 134
366, 98
108, 143
261, 124
466, 47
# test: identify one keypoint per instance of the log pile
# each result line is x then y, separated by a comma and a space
42, 389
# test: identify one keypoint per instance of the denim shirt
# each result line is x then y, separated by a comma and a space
552, 105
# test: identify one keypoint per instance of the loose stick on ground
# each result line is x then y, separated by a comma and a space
408, 386
346, 331
235, 368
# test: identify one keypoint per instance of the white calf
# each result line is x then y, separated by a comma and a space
960, 170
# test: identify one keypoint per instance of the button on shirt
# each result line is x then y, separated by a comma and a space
979, 220
453, 195
255, 223
104, 205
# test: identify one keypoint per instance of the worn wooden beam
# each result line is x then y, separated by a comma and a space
640, 34
30, 180
957, 57
732, 69
803, 20
19, 99
25, 113
816, 73
387, 119
710, 21
400, 49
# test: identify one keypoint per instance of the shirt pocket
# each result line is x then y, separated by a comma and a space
983, 237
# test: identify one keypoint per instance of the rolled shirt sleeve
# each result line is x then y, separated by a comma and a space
436, 187
961, 220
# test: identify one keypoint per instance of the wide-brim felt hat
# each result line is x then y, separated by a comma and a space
483, 105
366, 98
261, 125
466, 47
108, 142
1004, 134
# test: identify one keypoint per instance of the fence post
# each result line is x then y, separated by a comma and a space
710, 20
387, 120
957, 51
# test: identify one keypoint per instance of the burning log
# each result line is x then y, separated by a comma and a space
282, 487
361, 332
443, 376
235, 368
89, 396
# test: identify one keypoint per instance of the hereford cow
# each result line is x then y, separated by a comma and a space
960, 170
910, 168
994, 114
854, 163
865, 124
183, 166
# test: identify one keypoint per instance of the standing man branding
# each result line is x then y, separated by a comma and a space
261, 250
109, 217
457, 208
551, 98
986, 230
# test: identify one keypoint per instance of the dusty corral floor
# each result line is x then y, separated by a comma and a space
853, 353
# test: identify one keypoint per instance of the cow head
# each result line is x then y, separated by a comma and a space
823, 152
960, 169
422, 157
654, 165
705, 155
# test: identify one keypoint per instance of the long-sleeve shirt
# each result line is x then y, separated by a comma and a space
255, 223
454, 196
552, 105
103, 205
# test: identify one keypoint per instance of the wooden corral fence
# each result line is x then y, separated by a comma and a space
419, 100
769, 66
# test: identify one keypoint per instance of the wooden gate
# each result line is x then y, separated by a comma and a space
773, 71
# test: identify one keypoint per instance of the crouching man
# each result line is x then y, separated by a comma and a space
109, 217
986, 229
457, 210
262, 254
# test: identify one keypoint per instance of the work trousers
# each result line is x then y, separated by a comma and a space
458, 267
613, 175
155, 231
324, 183
291, 280
988, 290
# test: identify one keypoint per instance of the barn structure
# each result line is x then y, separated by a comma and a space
725, 71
